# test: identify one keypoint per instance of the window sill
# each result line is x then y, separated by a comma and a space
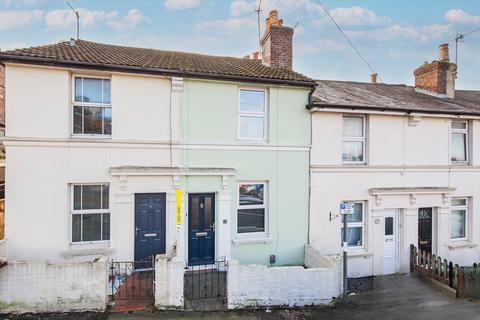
252, 240
86, 251
251, 142
461, 244
91, 136
358, 253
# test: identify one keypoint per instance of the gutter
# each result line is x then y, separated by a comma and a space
318, 107
145, 70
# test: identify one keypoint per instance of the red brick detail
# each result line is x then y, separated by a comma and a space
433, 76
277, 47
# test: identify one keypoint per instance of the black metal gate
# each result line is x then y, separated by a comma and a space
132, 284
207, 284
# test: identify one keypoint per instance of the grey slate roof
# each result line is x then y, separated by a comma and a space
112, 57
385, 97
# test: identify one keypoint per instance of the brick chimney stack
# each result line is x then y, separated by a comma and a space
437, 77
277, 42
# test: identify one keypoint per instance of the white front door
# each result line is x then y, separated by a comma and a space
390, 243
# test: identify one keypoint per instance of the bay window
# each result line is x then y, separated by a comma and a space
92, 110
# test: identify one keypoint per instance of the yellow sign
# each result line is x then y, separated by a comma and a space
179, 206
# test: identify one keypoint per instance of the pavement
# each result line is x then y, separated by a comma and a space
399, 296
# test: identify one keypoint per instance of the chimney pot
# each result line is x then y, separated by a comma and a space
443, 52
374, 78
72, 42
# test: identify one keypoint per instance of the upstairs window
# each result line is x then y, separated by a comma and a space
90, 213
459, 141
353, 139
92, 110
252, 115
458, 218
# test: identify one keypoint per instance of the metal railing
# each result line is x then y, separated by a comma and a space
206, 281
132, 280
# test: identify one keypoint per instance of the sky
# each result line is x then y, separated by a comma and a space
395, 36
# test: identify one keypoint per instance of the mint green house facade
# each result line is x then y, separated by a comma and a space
211, 119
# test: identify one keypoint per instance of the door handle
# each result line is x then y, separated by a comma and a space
136, 230
213, 227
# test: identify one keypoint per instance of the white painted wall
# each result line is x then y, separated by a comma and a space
398, 155
38, 286
44, 160
251, 286
169, 273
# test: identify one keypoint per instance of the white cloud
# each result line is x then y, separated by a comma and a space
240, 7
181, 4
133, 18
228, 26
65, 18
397, 31
459, 16
357, 16
10, 19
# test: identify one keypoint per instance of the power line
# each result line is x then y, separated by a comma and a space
348, 39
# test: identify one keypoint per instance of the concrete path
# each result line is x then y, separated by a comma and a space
393, 297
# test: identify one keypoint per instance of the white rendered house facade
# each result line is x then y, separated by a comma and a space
408, 160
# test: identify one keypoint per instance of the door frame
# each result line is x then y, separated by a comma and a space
396, 218
135, 219
187, 220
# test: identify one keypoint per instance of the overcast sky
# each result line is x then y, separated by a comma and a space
395, 36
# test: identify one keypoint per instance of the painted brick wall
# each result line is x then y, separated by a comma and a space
257, 285
169, 282
37, 286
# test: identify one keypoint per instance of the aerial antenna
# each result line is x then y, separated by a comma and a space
459, 38
259, 10
78, 20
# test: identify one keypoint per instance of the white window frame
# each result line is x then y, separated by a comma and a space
264, 233
89, 211
355, 224
462, 131
356, 139
463, 207
263, 115
89, 104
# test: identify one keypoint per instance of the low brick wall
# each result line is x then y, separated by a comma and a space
251, 286
37, 286
169, 274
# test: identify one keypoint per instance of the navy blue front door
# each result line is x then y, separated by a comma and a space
201, 228
149, 225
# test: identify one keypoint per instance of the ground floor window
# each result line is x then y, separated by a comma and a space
251, 209
458, 218
90, 213
355, 225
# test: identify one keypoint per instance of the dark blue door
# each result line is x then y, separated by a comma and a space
149, 225
201, 228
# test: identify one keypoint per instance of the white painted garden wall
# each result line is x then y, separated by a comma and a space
169, 282
251, 286
37, 286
